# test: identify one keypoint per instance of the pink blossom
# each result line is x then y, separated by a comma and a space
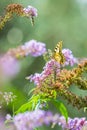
70, 59
9, 66
31, 11
48, 69
34, 48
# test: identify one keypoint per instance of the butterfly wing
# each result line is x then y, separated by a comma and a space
57, 54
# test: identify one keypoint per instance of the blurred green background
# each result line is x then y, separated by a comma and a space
57, 20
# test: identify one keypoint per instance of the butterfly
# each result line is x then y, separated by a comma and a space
57, 54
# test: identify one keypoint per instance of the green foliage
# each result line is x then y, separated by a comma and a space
37, 101
30, 105
60, 106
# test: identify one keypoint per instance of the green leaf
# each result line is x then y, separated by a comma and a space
24, 107
32, 103
38, 105
60, 106
31, 91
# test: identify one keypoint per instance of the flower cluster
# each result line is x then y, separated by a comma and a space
55, 78
30, 11
31, 47
37, 118
73, 124
69, 58
53, 66
6, 97
34, 48
18, 9
48, 69
31, 120
14, 8
9, 64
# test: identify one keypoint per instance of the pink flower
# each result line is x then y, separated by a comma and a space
70, 59
37, 118
31, 11
48, 69
34, 48
9, 66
